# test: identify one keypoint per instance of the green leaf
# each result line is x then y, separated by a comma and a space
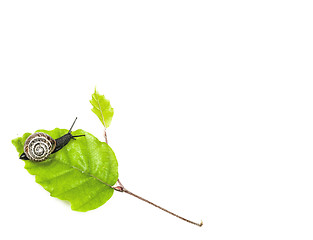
78, 172
102, 108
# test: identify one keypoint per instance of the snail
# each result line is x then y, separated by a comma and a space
39, 145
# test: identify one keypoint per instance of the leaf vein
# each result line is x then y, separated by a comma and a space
92, 198
60, 175
70, 189
101, 112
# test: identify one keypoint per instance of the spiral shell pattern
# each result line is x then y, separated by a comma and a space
39, 146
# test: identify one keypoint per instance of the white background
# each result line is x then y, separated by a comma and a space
213, 114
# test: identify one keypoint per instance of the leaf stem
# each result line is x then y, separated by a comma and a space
105, 135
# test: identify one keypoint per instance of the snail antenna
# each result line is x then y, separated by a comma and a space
69, 131
72, 125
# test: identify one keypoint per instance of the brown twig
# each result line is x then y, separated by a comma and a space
147, 201
120, 188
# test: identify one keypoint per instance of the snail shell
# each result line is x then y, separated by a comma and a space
39, 146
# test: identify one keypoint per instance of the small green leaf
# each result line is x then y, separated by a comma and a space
102, 108
78, 172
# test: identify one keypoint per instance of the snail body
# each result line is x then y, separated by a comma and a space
39, 146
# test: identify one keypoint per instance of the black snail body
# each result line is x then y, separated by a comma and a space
39, 146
